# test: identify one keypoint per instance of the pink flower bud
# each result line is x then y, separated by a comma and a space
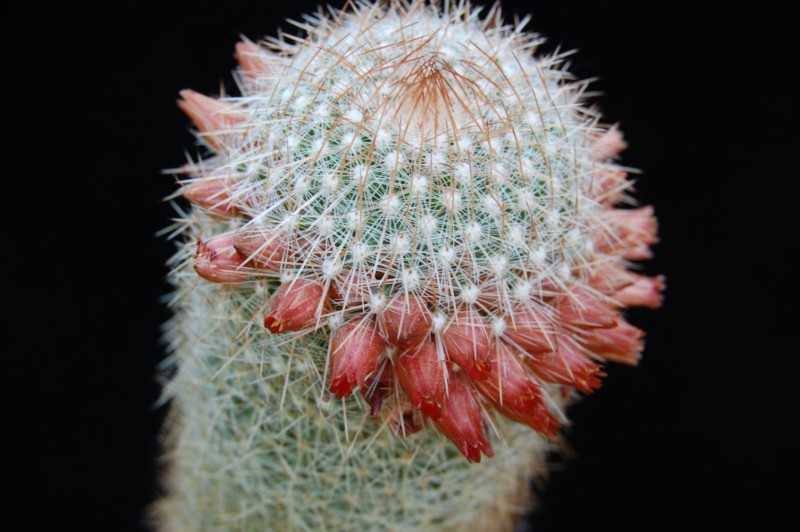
461, 420
355, 350
610, 277
216, 260
608, 186
467, 342
581, 308
209, 115
567, 365
529, 330
252, 59
351, 288
296, 306
514, 394
261, 248
406, 321
609, 145
641, 252
422, 376
622, 343
541, 420
628, 228
213, 195
645, 292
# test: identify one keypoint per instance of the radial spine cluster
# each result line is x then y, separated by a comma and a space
408, 228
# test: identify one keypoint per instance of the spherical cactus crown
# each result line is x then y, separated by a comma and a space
413, 186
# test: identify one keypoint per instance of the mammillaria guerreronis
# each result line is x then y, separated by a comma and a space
407, 228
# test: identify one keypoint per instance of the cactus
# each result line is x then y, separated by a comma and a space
405, 257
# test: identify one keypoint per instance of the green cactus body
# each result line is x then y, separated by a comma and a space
408, 259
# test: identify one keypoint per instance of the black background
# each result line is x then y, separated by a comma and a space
700, 437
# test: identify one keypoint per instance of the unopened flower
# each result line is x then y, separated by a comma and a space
295, 306
530, 330
213, 118
423, 375
468, 343
609, 145
213, 195
216, 260
252, 60
628, 229
622, 343
581, 308
609, 185
461, 420
569, 365
406, 321
610, 277
643, 292
355, 350
512, 391
261, 248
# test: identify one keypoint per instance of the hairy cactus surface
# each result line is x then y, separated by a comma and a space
405, 256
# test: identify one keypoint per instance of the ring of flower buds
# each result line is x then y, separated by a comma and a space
452, 370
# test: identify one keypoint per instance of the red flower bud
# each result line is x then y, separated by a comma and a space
608, 186
582, 308
628, 229
296, 305
622, 343
514, 394
252, 59
567, 365
355, 350
645, 292
209, 115
540, 420
213, 195
610, 277
351, 288
467, 342
216, 260
406, 321
640, 252
530, 330
461, 420
422, 376
261, 248
609, 145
